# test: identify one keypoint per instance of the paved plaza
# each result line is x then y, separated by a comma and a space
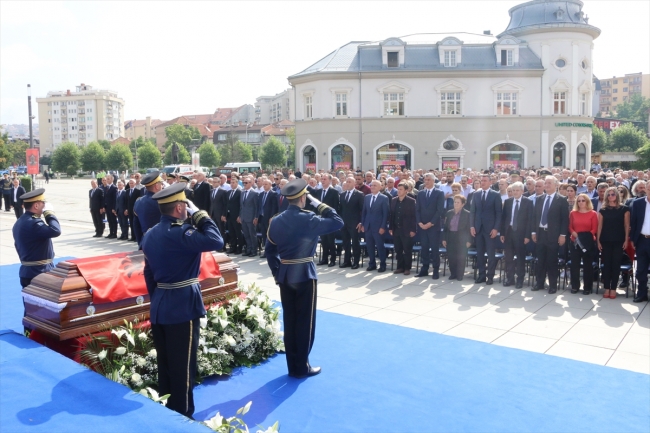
608, 332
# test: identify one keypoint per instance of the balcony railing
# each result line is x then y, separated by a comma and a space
81, 103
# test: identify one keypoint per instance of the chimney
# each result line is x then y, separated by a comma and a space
487, 32
67, 92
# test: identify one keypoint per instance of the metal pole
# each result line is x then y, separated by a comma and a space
135, 143
31, 135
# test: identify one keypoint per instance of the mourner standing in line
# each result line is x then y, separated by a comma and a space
6, 191
291, 261
96, 206
172, 250
16, 192
145, 209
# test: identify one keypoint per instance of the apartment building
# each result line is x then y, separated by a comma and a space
79, 117
274, 109
617, 90
141, 128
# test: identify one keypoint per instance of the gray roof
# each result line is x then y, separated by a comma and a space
539, 14
366, 57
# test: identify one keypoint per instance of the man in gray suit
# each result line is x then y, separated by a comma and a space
248, 216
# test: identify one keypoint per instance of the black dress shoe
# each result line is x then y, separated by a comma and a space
435, 275
123, 238
422, 274
313, 371
355, 266
623, 285
381, 269
97, 236
480, 280
489, 281
322, 262
535, 288
574, 291
552, 291
371, 268
519, 285
331, 264
641, 299
507, 283
345, 265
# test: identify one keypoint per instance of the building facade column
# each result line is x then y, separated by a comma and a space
544, 157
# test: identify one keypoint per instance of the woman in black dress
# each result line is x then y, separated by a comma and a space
613, 230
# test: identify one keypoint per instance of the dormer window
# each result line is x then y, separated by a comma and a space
392, 59
559, 14
507, 58
506, 50
450, 51
450, 59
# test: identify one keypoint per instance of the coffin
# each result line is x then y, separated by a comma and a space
60, 304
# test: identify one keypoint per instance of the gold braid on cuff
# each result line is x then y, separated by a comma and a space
322, 208
199, 215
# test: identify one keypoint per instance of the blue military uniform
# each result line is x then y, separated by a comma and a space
172, 250
290, 248
146, 211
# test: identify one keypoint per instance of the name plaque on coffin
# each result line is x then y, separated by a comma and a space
84, 296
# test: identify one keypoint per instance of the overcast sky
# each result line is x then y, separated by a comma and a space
167, 59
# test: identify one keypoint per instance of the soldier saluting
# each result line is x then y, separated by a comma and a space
145, 209
290, 248
172, 250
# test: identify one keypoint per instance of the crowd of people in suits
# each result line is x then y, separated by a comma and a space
11, 192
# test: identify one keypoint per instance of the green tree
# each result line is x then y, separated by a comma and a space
17, 150
636, 109
105, 144
599, 140
119, 158
627, 138
273, 153
46, 160
291, 148
149, 156
67, 159
209, 155
237, 152
5, 155
184, 156
182, 135
644, 157
92, 157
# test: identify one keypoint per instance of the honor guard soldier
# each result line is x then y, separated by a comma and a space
171, 178
172, 250
145, 209
189, 192
290, 248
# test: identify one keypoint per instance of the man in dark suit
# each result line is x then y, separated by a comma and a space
122, 210
110, 196
330, 197
402, 227
283, 203
549, 233
640, 237
218, 202
485, 219
248, 214
516, 225
201, 192
96, 206
233, 206
132, 195
429, 210
16, 191
268, 208
350, 208
374, 218
598, 201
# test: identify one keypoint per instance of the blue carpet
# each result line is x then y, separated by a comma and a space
385, 378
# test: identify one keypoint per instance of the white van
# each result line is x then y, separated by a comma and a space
240, 167
178, 169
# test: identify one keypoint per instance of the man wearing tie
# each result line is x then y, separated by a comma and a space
640, 237
218, 198
248, 216
268, 208
121, 211
201, 196
283, 203
133, 193
516, 226
110, 197
374, 218
549, 231
350, 208
233, 207
429, 210
96, 206
330, 197
485, 219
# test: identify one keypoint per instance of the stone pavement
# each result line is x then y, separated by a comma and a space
615, 332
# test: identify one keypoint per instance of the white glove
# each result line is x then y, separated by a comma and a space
48, 207
314, 201
191, 208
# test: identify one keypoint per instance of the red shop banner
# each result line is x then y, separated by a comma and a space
31, 156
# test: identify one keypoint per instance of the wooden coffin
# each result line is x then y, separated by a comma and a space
59, 303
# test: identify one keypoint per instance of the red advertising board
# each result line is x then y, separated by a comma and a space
310, 167
345, 165
450, 165
506, 165
31, 156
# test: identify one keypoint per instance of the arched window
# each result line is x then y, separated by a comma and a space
309, 159
342, 157
392, 155
507, 156
581, 157
559, 155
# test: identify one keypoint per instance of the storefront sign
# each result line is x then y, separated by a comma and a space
574, 125
31, 156
505, 165
310, 167
345, 165
452, 164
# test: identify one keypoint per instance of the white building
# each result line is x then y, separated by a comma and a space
79, 117
520, 99
274, 109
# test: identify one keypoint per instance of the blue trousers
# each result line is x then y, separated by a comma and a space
430, 240
375, 240
485, 244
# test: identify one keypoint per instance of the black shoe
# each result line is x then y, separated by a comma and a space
641, 299
381, 269
371, 268
97, 236
507, 283
331, 264
480, 280
123, 238
345, 265
355, 266
489, 281
460, 278
574, 291
435, 275
519, 285
322, 262
422, 274
552, 291
244, 253
313, 371
623, 285
535, 288
586, 292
